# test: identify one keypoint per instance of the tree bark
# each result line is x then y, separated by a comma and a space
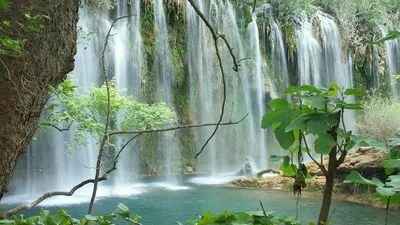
45, 60
330, 175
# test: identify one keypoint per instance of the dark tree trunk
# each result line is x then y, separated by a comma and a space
25, 79
330, 176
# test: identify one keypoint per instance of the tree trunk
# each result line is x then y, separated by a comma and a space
327, 198
45, 60
330, 177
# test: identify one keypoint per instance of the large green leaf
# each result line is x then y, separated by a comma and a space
390, 36
285, 139
324, 143
355, 177
280, 108
386, 191
299, 123
393, 181
318, 101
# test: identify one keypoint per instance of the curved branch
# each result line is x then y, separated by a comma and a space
320, 165
235, 68
48, 195
105, 136
56, 127
174, 128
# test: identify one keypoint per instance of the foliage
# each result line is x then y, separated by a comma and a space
63, 218
242, 218
380, 118
13, 45
387, 192
390, 36
89, 109
313, 113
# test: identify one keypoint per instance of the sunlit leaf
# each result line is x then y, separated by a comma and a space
390, 36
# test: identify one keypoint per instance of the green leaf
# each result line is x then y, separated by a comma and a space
390, 36
299, 123
355, 177
137, 218
123, 207
285, 139
90, 217
318, 101
280, 108
386, 191
391, 163
291, 89
355, 92
333, 89
289, 170
3, 5
324, 143
375, 143
309, 88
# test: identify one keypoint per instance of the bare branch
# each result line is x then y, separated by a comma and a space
235, 67
105, 136
48, 195
174, 128
56, 127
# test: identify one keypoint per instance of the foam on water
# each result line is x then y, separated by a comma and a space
213, 180
169, 186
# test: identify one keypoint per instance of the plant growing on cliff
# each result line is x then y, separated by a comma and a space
314, 113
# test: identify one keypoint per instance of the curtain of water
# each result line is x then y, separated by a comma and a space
245, 89
165, 70
126, 47
392, 48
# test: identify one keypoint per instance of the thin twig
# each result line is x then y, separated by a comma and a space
321, 166
263, 210
174, 128
235, 67
56, 127
105, 136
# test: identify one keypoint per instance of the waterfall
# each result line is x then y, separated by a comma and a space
126, 48
245, 89
392, 48
278, 56
165, 70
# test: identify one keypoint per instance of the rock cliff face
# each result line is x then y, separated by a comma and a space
24, 80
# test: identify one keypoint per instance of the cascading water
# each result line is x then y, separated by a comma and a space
127, 72
392, 48
322, 63
245, 89
308, 53
165, 70
278, 56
